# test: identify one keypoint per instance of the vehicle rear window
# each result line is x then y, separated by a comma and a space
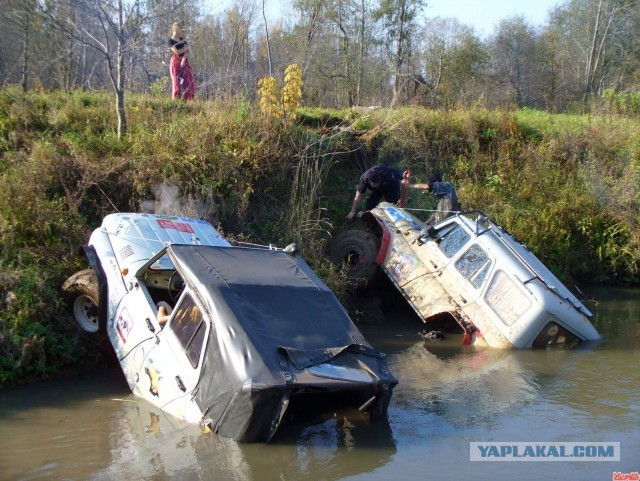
190, 328
506, 298
453, 241
474, 265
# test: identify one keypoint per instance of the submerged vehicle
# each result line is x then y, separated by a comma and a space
225, 336
468, 269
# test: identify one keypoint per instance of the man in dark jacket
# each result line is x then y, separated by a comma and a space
446, 198
382, 181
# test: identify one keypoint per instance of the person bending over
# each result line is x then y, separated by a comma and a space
383, 182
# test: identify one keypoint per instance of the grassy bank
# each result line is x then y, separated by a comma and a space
565, 185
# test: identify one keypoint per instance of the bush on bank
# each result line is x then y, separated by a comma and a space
566, 185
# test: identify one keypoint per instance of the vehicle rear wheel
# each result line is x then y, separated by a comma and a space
81, 292
357, 250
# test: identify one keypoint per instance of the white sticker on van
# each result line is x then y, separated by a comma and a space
124, 325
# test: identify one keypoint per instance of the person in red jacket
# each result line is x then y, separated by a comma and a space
182, 83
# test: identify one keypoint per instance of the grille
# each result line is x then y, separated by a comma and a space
125, 252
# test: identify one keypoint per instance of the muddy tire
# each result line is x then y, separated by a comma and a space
81, 293
357, 250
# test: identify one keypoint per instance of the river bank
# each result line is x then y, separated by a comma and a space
566, 185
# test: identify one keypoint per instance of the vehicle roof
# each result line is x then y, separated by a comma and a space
154, 232
269, 298
135, 238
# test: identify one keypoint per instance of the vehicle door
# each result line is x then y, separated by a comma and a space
471, 270
133, 332
172, 368
464, 265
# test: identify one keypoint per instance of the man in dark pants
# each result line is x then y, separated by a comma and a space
382, 181
446, 199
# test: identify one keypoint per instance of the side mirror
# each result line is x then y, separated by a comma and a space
481, 223
430, 231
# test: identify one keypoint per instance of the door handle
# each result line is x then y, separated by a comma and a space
180, 384
150, 325
463, 299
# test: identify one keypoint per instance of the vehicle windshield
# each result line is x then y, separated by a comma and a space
554, 334
162, 264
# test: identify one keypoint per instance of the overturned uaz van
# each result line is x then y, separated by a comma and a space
469, 269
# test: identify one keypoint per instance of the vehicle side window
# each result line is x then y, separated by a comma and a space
453, 241
474, 265
554, 334
190, 328
506, 299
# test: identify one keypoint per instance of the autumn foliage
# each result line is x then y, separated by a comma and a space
281, 103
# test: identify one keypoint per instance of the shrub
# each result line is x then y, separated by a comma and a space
281, 103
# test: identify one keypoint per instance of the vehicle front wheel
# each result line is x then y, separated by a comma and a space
357, 250
81, 292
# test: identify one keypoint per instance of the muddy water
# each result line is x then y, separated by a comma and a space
90, 427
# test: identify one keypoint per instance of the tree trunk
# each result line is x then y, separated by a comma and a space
122, 119
346, 64
361, 53
25, 56
589, 72
266, 30
399, 53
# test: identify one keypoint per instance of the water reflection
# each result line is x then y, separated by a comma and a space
150, 445
472, 387
84, 429
60, 429
616, 315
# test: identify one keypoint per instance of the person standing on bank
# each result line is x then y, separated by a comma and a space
182, 83
382, 181
446, 198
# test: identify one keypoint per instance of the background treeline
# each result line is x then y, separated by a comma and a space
351, 52
565, 184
